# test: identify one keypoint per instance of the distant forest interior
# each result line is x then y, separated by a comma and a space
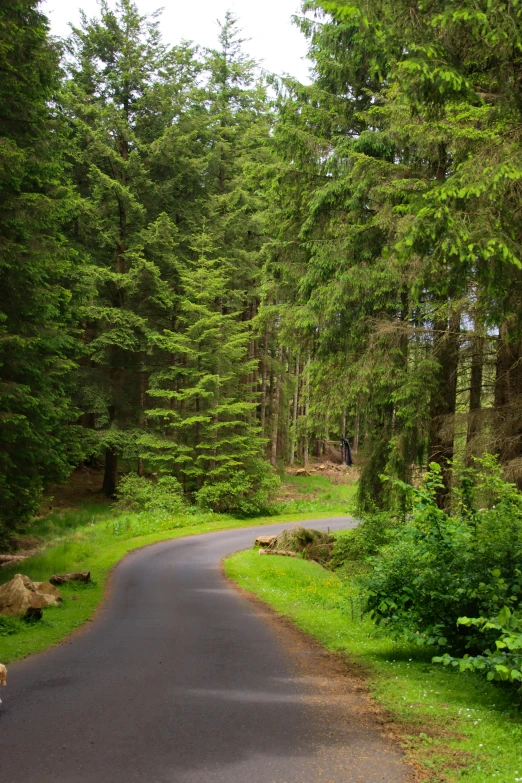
208, 273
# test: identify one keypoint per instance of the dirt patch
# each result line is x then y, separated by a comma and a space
339, 474
84, 486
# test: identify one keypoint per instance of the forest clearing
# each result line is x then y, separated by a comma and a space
234, 301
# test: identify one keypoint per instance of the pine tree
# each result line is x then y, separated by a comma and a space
124, 95
36, 270
206, 429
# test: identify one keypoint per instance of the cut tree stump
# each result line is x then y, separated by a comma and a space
264, 541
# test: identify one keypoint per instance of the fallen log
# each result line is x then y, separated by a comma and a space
282, 552
9, 559
62, 579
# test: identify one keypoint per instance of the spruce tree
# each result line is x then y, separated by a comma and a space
124, 93
36, 270
205, 428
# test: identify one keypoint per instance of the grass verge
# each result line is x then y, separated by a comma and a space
456, 726
97, 539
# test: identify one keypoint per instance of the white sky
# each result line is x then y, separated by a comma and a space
274, 40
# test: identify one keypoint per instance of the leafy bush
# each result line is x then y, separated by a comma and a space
503, 660
137, 493
357, 545
441, 567
244, 492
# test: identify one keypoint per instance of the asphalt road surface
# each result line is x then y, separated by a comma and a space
182, 679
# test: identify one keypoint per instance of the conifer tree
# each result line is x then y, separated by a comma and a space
206, 429
36, 270
124, 92
205, 426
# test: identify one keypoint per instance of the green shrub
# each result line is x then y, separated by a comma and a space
136, 493
357, 545
502, 661
441, 567
246, 492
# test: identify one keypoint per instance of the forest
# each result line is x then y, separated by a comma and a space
207, 272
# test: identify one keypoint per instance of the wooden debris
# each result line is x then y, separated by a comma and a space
61, 579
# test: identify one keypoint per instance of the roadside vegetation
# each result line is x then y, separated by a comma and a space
427, 602
458, 726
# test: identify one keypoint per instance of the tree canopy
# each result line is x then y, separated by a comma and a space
205, 275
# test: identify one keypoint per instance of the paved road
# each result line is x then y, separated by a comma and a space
179, 680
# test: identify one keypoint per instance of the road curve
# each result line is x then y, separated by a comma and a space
179, 680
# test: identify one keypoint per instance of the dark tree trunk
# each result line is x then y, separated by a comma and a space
264, 372
475, 393
508, 398
356, 430
276, 401
293, 439
110, 476
443, 403
306, 441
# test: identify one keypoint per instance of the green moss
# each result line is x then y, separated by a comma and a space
458, 726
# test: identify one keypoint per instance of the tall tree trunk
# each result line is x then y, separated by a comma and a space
356, 429
276, 400
264, 381
143, 390
444, 398
508, 398
295, 410
475, 392
110, 474
306, 414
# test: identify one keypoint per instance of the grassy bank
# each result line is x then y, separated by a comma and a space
458, 727
95, 538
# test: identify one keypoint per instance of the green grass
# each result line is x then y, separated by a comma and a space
459, 727
95, 539
318, 493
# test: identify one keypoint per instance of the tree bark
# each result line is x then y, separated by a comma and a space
110, 475
356, 430
143, 391
307, 411
444, 398
475, 393
508, 397
275, 411
264, 382
295, 410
